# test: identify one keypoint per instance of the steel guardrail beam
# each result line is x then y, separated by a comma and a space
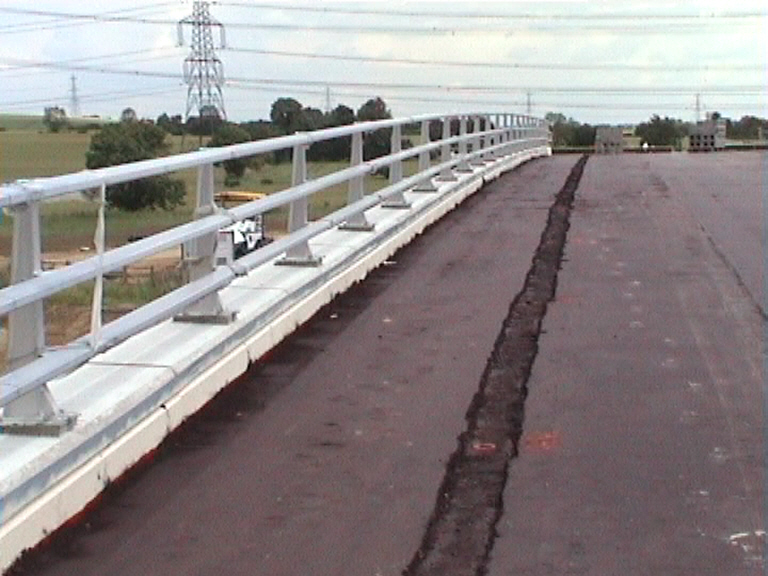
55, 362
38, 189
60, 361
50, 282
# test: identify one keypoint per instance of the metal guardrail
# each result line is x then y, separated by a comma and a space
27, 405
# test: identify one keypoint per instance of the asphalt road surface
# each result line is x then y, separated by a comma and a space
641, 449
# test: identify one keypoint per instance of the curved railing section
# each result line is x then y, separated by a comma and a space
24, 397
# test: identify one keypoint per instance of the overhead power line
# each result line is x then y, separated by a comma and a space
487, 88
446, 87
66, 20
637, 25
93, 97
110, 56
547, 104
326, 9
500, 65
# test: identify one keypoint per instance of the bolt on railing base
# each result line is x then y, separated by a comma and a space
427, 186
36, 414
447, 176
51, 427
209, 310
312, 262
357, 227
397, 205
396, 201
226, 317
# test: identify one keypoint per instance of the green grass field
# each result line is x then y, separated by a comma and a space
28, 151
21, 122
33, 153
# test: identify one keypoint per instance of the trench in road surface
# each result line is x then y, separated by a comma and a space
461, 532
494, 418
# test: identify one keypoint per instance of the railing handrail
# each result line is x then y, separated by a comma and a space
50, 282
42, 285
38, 189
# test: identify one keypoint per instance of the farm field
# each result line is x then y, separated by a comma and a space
28, 151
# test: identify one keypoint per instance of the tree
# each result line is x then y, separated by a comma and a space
583, 135
341, 116
171, 124
555, 117
661, 131
373, 109
569, 132
261, 130
375, 143
748, 128
226, 135
128, 115
310, 119
336, 148
206, 123
285, 114
130, 142
55, 118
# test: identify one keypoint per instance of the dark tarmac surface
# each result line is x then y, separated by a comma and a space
642, 441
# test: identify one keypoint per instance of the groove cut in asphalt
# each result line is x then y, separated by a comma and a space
462, 529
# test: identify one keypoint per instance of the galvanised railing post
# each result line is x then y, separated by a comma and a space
477, 143
298, 214
26, 326
356, 189
490, 140
424, 162
200, 256
35, 412
463, 166
396, 170
508, 134
99, 241
496, 138
446, 175
505, 135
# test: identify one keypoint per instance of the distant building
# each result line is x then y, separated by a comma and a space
707, 136
609, 140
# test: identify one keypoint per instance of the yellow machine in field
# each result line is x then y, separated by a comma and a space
243, 236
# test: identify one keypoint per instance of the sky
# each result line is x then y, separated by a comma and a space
613, 62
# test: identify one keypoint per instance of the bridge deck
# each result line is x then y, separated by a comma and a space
643, 450
642, 447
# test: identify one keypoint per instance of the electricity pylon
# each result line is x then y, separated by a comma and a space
203, 71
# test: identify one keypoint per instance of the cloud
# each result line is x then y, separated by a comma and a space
694, 53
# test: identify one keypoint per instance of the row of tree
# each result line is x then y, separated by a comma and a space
568, 133
657, 131
132, 140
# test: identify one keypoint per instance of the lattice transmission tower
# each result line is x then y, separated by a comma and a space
74, 100
203, 71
